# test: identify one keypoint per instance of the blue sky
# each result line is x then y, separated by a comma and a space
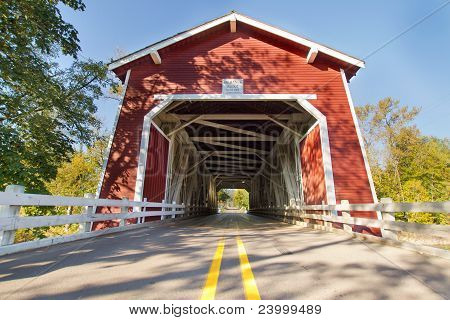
414, 68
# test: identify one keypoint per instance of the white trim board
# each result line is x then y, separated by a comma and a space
142, 161
299, 98
169, 98
361, 140
308, 132
152, 50
111, 136
237, 97
326, 150
160, 130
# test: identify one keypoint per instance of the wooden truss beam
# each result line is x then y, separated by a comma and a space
225, 166
231, 162
234, 146
232, 129
232, 152
234, 116
294, 105
196, 164
241, 138
184, 125
281, 124
237, 159
232, 172
267, 162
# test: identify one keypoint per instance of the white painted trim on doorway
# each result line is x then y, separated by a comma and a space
299, 98
309, 131
168, 99
169, 162
111, 136
160, 130
361, 140
241, 97
298, 169
142, 160
326, 151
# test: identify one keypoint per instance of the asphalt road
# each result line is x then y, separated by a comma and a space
225, 256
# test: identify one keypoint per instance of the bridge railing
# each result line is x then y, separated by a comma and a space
338, 218
13, 199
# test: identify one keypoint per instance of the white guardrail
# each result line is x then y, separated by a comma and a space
13, 198
389, 228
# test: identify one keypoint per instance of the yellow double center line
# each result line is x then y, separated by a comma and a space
248, 280
251, 290
209, 290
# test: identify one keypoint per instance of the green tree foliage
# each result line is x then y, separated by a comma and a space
223, 196
44, 109
241, 199
81, 174
406, 165
76, 177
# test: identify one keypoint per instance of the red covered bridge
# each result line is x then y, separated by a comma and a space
236, 102
232, 103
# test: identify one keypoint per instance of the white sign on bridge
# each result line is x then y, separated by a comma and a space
232, 86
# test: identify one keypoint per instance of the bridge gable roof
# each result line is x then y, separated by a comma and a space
312, 48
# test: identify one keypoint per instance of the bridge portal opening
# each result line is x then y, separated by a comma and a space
233, 199
259, 145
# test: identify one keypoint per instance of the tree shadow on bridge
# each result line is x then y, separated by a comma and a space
172, 263
102, 255
347, 269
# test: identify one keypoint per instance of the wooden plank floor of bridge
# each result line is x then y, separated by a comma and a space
172, 261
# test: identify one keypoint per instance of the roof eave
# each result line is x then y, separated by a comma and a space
152, 50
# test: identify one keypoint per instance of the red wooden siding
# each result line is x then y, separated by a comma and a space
313, 175
268, 65
313, 179
156, 168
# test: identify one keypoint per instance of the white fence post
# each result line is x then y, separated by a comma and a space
388, 216
174, 210
327, 225
142, 209
88, 211
163, 209
346, 214
123, 209
7, 237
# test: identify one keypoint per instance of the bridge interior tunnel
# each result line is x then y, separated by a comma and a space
252, 145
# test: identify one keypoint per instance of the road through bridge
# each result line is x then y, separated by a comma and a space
174, 261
